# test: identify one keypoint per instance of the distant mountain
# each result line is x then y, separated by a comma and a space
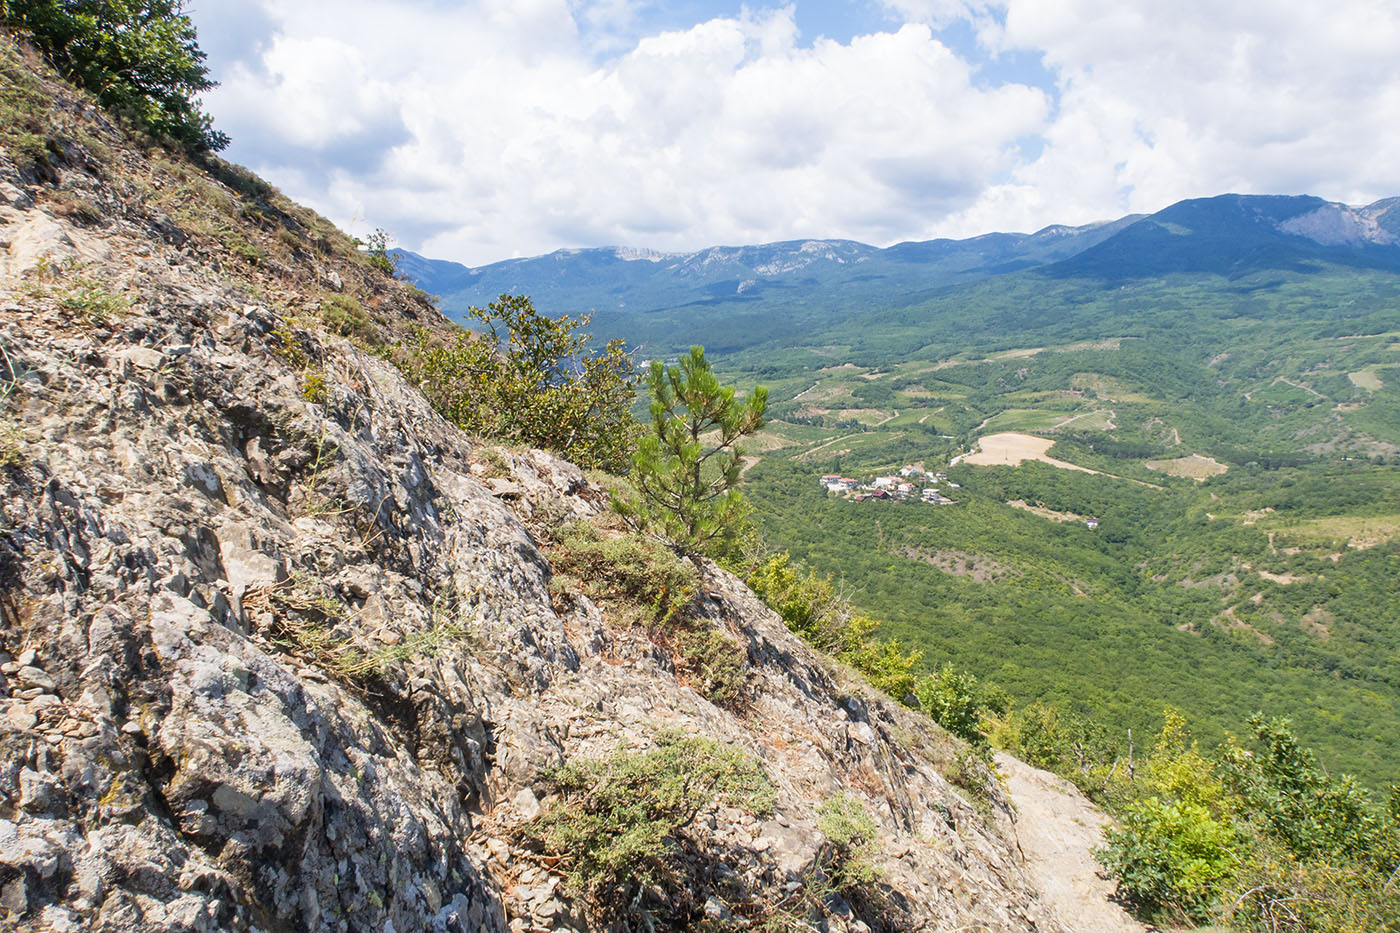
844, 276
733, 297
1234, 235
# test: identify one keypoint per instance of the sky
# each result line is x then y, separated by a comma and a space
481, 130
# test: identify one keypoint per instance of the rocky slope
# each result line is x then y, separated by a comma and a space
279, 648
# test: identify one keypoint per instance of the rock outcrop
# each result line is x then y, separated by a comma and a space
279, 648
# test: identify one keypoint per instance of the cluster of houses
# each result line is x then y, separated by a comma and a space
911, 482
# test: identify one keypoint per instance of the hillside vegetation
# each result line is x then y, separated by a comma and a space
283, 648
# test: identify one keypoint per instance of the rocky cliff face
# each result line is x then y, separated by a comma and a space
279, 648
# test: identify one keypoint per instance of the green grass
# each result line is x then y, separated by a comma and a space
1021, 419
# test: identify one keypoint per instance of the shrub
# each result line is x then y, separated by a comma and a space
139, 58
851, 831
1170, 858
314, 387
377, 253
717, 665
954, 701
618, 820
1075, 747
1262, 838
345, 317
1290, 798
11, 444
811, 607
1276, 893
543, 385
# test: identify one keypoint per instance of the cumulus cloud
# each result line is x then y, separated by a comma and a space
1162, 102
484, 129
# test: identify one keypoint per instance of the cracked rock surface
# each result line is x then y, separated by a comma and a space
181, 518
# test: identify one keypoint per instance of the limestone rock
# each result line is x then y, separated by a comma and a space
283, 664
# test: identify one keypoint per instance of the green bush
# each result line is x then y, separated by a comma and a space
344, 316
539, 384
716, 664
139, 58
1285, 793
955, 701
851, 831
618, 820
377, 253
1260, 838
811, 607
1171, 859
1076, 747
1276, 893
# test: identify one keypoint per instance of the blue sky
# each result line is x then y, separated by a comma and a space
477, 130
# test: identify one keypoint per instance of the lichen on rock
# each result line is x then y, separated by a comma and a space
278, 653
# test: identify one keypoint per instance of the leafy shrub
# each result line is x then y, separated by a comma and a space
1177, 770
954, 701
811, 607
11, 444
1276, 893
619, 820
310, 625
344, 316
378, 255
851, 830
138, 57
715, 663
1290, 798
1261, 838
543, 385
1076, 747
1170, 858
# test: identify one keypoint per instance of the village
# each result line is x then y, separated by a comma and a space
910, 483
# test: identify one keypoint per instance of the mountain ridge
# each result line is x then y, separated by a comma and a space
1228, 234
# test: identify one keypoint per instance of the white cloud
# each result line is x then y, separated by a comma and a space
485, 129
1163, 102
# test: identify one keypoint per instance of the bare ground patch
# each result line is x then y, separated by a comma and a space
1367, 378
1230, 622
1319, 622
1194, 467
962, 564
1013, 449
1052, 514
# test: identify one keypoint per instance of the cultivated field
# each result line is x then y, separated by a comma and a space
1013, 449
1194, 467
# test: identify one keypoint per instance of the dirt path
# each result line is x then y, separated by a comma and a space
1059, 829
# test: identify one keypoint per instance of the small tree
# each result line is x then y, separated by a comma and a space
687, 468
138, 57
539, 383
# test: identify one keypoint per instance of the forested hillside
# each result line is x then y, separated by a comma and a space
1230, 367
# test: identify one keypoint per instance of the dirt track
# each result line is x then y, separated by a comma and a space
1058, 829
